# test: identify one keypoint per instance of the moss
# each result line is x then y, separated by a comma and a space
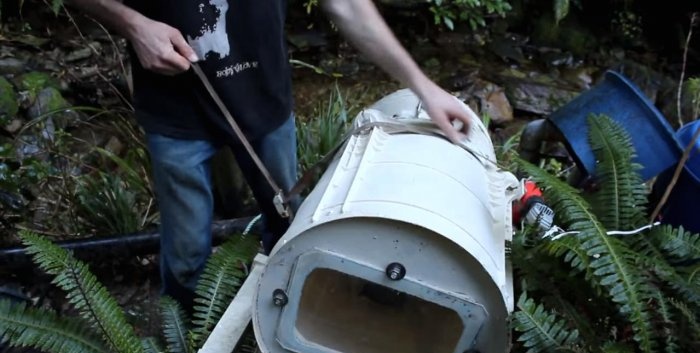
567, 35
48, 99
545, 31
34, 81
8, 101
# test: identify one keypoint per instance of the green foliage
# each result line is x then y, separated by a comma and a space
24, 326
219, 283
102, 326
542, 331
174, 325
35, 81
151, 345
618, 283
620, 202
317, 136
8, 101
51, 157
676, 243
118, 202
473, 12
693, 87
561, 9
108, 204
89, 297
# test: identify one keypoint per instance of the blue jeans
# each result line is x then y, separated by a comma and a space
182, 180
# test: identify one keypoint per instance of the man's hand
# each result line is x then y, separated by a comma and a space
443, 108
161, 48
362, 24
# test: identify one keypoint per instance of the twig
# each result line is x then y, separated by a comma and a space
80, 33
38, 231
693, 17
676, 175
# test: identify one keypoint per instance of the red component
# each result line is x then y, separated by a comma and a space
522, 206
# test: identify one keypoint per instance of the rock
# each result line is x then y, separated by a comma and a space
50, 100
557, 59
31, 40
8, 101
11, 66
14, 126
115, 146
35, 81
579, 78
508, 49
339, 67
537, 98
486, 98
493, 101
307, 40
497, 106
83, 53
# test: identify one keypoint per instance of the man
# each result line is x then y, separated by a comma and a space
240, 45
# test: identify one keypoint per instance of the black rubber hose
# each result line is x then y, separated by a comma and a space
534, 134
119, 245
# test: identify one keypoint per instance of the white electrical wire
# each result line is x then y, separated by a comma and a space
251, 224
550, 233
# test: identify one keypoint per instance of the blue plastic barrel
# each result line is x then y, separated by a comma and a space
618, 98
680, 209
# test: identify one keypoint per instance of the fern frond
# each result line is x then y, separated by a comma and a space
219, 283
248, 343
84, 292
151, 345
611, 260
541, 331
174, 327
690, 318
584, 324
23, 326
676, 242
569, 248
617, 347
670, 343
619, 204
651, 258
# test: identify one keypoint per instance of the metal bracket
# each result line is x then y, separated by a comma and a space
281, 207
233, 322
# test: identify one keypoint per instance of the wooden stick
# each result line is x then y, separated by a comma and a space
676, 175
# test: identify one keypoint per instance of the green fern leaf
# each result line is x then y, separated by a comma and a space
621, 200
23, 326
676, 242
88, 296
650, 257
151, 345
219, 283
541, 331
670, 343
569, 248
617, 347
690, 323
248, 343
174, 327
612, 262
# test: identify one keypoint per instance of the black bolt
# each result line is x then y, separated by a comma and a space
279, 297
395, 271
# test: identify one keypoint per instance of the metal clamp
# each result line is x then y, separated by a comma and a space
281, 207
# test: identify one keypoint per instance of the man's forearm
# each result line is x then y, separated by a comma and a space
111, 13
360, 22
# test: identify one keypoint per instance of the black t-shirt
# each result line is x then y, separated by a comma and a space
242, 49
